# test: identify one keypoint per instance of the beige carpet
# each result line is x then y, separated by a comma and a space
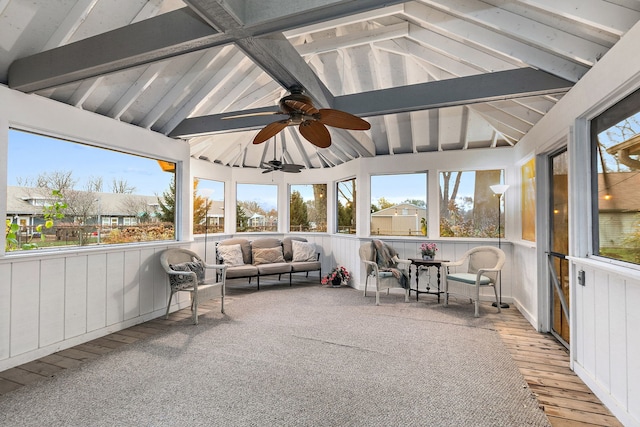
302, 356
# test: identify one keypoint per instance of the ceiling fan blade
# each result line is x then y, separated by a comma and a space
291, 168
316, 133
301, 106
268, 170
342, 120
263, 113
270, 130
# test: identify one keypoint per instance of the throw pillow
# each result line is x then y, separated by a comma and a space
231, 254
267, 255
303, 251
182, 281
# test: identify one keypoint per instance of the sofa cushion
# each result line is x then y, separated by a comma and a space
245, 245
287, 246
297, 267
267, 255
231, 254
242, 271
303, 251
266, 242
274, 268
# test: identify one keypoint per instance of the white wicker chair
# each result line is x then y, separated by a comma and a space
188, 281
482, 267
384, 279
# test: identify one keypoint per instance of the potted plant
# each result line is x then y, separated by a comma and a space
428, 250
337, 277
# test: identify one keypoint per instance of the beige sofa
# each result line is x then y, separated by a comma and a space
268, 256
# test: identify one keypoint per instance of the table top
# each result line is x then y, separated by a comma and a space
420, 261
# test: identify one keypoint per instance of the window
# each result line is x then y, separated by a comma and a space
256, 208
399, 205
308, 208
63, 193
208, 206
346, 203
616, 149
468, 207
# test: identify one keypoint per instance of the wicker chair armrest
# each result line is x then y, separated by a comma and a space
454, 263
485, 270
373, 265
401, 261
184, 273
215, 266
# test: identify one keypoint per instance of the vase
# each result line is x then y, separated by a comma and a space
336, 282
427, 257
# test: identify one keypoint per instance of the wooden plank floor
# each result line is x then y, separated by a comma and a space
544, 364
543, 361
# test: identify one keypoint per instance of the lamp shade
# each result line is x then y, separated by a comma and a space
499, 188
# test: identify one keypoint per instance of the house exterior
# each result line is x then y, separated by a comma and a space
110, 210
403, 219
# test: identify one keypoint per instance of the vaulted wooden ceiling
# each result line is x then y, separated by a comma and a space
429, 75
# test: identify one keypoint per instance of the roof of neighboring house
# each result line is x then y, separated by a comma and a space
397, 210
19, 201
216, 209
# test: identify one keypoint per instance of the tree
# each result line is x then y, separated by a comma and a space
241, 218
50, 213
346, 213
167, 203
121, 186
416, 202
61, 181
201, 205
486, 204
137, 206
298, 212
252, 206
319, 212
94, 184
448, 195
384, 203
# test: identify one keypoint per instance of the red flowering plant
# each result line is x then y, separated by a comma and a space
428, 249
339, 274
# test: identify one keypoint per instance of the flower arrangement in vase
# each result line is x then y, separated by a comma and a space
428, 250
338, 276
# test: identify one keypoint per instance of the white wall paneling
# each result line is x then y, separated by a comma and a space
67, 298
607, 336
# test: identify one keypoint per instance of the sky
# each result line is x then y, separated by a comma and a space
31, 155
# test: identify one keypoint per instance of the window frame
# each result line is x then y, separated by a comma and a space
277, 207
426, 203
224, 212
502, 217
627, 107
354, 215
291, 189
97, 217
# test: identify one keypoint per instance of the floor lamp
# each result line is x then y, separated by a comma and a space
499, 190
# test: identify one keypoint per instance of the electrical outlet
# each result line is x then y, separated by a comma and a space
581, 277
